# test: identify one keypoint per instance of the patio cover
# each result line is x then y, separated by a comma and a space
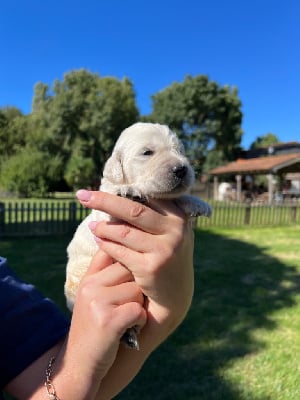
270, 166
263, 165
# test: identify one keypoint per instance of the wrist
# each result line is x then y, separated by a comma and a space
71, 379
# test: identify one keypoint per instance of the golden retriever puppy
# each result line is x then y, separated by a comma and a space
147, 162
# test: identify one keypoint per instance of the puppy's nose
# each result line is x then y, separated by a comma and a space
180, 171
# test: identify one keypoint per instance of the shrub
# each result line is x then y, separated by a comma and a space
29, 173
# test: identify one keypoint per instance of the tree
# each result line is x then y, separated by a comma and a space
264, 141
13, 131
80, 119
69, 134
206, 116
79, 169
29, 173
214, 159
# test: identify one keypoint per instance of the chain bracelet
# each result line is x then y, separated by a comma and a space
48, 383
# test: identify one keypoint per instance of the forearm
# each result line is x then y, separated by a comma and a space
73, 380
129, 362
126, 366
29, 384
68, 381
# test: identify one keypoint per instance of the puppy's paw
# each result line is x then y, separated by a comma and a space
129, 339
193, 206
131, 193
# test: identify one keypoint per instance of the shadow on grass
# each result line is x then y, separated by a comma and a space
238, 287
40, 261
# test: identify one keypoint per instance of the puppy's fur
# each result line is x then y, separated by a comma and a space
147, 162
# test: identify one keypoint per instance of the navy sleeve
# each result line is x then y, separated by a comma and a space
30, 324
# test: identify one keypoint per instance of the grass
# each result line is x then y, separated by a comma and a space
241, 338
40, 261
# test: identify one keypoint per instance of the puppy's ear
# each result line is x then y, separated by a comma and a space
113, 170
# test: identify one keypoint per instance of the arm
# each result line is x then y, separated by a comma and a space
156, 245
153, 245
108, 302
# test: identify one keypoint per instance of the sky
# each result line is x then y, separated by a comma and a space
253, 45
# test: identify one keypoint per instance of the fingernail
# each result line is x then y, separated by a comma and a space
92, 225
97, 239
83, 195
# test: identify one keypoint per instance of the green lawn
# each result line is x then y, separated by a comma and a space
241, 338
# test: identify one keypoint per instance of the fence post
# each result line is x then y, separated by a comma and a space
2, 218
72, 214
293, 213
247, 214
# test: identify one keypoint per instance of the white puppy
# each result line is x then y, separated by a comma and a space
147, 162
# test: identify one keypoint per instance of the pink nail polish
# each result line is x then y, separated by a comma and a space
84, 195
92, 225
97, 239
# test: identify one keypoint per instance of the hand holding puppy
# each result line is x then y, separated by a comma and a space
108, 301
156, 246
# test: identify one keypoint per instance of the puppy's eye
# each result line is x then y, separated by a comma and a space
148, 152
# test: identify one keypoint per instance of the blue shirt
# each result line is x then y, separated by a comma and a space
30, 324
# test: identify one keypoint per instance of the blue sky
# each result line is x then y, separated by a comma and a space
253, 45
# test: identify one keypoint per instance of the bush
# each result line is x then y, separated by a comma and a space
29, 173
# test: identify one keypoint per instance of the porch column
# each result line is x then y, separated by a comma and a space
238, 179
216, 185
270, 187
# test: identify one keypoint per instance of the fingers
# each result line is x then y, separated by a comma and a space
135, 248
116, 274
100, 261
129, 315
134, 213
99, 277
113, 285
124, 293
133, 260
121, 232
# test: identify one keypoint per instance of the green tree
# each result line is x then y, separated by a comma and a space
13, 131
29, 173
69, 134
265, 140
206, 116
214, 159
80, 118
79, 169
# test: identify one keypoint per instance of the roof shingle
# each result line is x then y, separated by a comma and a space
263, 165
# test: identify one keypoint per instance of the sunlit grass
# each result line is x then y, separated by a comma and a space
241, 338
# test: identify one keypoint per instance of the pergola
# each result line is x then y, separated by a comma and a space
270, 166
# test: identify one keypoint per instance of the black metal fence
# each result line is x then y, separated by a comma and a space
250, 214
61, 217
43, 218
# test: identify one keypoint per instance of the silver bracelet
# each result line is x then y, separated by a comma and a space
48, 383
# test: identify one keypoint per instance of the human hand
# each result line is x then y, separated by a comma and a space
152, 246
108, 301
156, 245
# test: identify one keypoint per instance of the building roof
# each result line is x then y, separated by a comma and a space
281, 144
262, 165
272, 149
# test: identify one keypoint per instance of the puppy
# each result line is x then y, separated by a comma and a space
147, 162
